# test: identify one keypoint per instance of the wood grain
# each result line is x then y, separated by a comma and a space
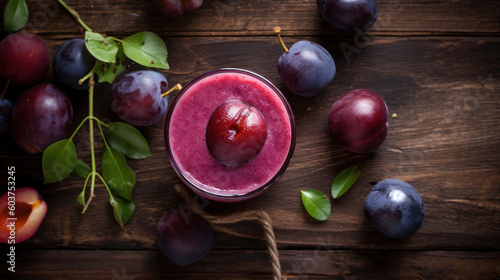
441, 141
258, 17
435, 63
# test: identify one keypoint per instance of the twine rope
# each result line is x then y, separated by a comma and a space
252, 215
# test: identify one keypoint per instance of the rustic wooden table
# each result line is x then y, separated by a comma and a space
436, 64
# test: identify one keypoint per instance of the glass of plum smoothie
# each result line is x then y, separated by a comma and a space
229, 134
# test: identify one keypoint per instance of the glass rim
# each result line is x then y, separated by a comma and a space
230, 197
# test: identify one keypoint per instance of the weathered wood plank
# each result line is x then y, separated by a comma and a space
444, 141
321, 263
245, 17
426, 58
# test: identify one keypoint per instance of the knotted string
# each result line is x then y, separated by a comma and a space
252, 215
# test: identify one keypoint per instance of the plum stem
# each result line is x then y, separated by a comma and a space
102, 134
84, 189
75, 15
116, 40
91, 73
86, 77
5, 89
91, 132
176, 87
101, 122
277, 31
92, 195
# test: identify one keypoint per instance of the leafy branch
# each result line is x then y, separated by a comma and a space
121, 140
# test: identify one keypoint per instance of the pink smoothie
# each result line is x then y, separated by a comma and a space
187, 124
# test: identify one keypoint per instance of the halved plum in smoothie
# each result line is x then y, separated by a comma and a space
229, 134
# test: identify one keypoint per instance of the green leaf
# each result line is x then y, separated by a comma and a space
122, 209
120, 177
15, 15
316, 204
146, 48
128, 140
104, 49
58, 161
107, 72
343, 182
121, 180
81, 169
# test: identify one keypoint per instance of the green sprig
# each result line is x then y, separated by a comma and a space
60, 159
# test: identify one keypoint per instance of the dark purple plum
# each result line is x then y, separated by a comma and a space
24, 58
136, 97
358, 121
394, 208
5, 110
178, 7
72, 62
236, 132
184, 237
41, 116
347, 15
306, 68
